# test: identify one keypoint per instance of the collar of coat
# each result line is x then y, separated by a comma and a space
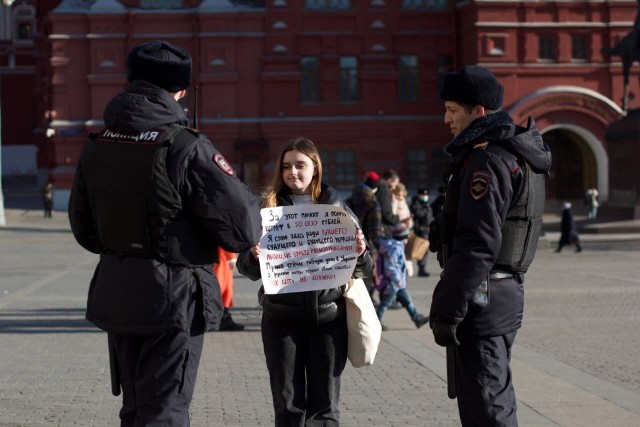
478, 131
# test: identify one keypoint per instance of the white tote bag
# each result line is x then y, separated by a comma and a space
363, 326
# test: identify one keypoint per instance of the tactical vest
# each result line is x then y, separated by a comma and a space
523, 223
138, 211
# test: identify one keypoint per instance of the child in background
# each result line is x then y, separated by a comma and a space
393, 276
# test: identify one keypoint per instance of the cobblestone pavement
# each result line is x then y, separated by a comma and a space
575, 359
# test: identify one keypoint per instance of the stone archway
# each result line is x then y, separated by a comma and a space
573, 120
579, 162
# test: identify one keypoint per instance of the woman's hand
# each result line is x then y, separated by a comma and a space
255, 250
361, 245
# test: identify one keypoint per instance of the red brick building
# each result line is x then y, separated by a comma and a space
359, 77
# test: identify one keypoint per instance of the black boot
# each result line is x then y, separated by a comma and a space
227, 323
420, 320
422, 272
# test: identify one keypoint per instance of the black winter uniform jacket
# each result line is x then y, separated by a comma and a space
422, 217
143, 295
490, 180
310, 307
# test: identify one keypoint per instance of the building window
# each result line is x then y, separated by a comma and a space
425, 167
349, 79
339, 167
327, 4
579, 48
438, 162
417, 168
24, 30
408, 78
496, 45
445, 65
424, 4
545, 48
24, 23
309, 79
160, 4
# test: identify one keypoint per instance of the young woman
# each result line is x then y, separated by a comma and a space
304, 334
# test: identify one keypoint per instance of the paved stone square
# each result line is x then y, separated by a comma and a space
575, 360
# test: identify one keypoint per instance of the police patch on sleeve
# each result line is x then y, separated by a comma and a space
479, 185
222, 163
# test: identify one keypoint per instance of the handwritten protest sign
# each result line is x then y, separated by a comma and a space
306, 247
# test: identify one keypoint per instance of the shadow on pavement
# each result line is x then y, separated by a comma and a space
35, 229
45, 321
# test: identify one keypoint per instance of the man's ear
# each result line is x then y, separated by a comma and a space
480, 111
179, 94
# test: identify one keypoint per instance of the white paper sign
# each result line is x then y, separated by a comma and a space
306, 247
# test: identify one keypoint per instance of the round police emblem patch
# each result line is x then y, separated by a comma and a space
222, 163
479, 185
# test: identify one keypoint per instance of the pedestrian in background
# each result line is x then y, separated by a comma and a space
393, 276
47, 197
223, 269
365, 206
304, 334
155, 200
400, 208
422, 218
568, 229
591, 199
495, 189
383, 188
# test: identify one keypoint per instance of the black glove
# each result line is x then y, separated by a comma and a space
445, 334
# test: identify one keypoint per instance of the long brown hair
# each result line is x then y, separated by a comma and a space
306, 147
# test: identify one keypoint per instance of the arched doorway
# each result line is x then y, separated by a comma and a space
574, 167
573, 121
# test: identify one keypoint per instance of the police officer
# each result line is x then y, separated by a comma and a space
486, 237
155, 199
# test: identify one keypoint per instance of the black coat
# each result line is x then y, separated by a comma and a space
310, 307
422, 217
145, 295
568, 228
366, 207
383, 194
486, 180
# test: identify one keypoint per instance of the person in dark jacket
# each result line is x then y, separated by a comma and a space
486, 236
47, 198
382, 188
422, 218
365, 206
155, 199
568, 229
304, 334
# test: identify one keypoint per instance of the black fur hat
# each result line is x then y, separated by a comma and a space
473, 85
160, 63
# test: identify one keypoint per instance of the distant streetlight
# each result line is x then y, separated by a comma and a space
3, 221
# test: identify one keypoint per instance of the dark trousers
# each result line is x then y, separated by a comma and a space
305, 364
422, 263
158, 373
486, 397
48, 206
